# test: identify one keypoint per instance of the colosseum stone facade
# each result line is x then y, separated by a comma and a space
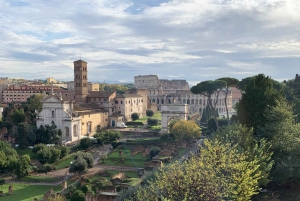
161, 91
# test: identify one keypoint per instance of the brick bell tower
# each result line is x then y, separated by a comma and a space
80, 80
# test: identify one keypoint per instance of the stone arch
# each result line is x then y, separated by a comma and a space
157, 101
153, 100
188, 101
168, 112
75, 132
162, 101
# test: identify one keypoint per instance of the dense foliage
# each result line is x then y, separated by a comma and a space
135, 116
220, 172
185, 130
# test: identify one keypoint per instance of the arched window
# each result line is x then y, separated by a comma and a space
67, 131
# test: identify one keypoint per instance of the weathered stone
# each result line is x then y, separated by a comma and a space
64, 185
10, 190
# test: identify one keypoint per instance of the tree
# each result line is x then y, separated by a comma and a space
185, 130
48, 134
212, 126
78, 196
284, 135
242, 137
25, 135
78, 166
87, 157
230, 82
35, 102
23, 166
258, 95
208, 88
85, 143
149, 113
18, 116
38, 147
171, 123
64, 151
220, 172
44, 155
55, 154
135, 116
8, 157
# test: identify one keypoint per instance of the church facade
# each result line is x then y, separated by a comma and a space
81, 112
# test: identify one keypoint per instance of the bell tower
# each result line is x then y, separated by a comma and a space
80, 80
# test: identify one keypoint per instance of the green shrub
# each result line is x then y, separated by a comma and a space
86, 188
64, 151
135, 116
38, 147
114, 144
152, 122
46, 168
149, 113
85, 143
2, 181
78, 196
132, 123
212, 124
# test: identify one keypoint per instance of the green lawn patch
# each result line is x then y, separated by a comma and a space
32, 178
25, 192
115, 160
181, 152
155, 128
64, 163
28, 151
133, 181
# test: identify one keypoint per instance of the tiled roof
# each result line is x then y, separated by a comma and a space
129, 96
102, 94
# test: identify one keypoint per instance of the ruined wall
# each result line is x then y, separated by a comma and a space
146, 81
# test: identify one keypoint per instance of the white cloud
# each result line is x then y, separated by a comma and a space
186, 39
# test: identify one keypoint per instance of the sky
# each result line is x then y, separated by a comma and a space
195, 40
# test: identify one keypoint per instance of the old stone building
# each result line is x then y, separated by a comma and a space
163, 92
80, 112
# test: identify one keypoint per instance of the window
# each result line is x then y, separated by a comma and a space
121, 102
116, 102
53, 114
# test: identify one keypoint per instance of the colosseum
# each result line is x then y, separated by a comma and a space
161, 91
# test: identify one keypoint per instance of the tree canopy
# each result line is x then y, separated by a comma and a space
208, 88
185, 130
220, 172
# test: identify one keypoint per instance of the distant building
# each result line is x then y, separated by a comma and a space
162, 92
19, 94
80, 112
50, 80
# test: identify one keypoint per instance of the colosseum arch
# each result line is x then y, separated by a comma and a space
172, 111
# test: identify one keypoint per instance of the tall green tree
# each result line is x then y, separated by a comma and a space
18, 116
25, 135
8, 157
207, 89
258, 95
79, 166
230, 82
242, 137
35, 103
284, 135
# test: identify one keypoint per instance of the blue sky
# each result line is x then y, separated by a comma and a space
195, 40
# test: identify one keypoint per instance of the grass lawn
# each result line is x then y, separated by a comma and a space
155, 128
144, 119
25, 192
114, 159
146, 139
28, 151
32, 178
64, 163
133, 181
